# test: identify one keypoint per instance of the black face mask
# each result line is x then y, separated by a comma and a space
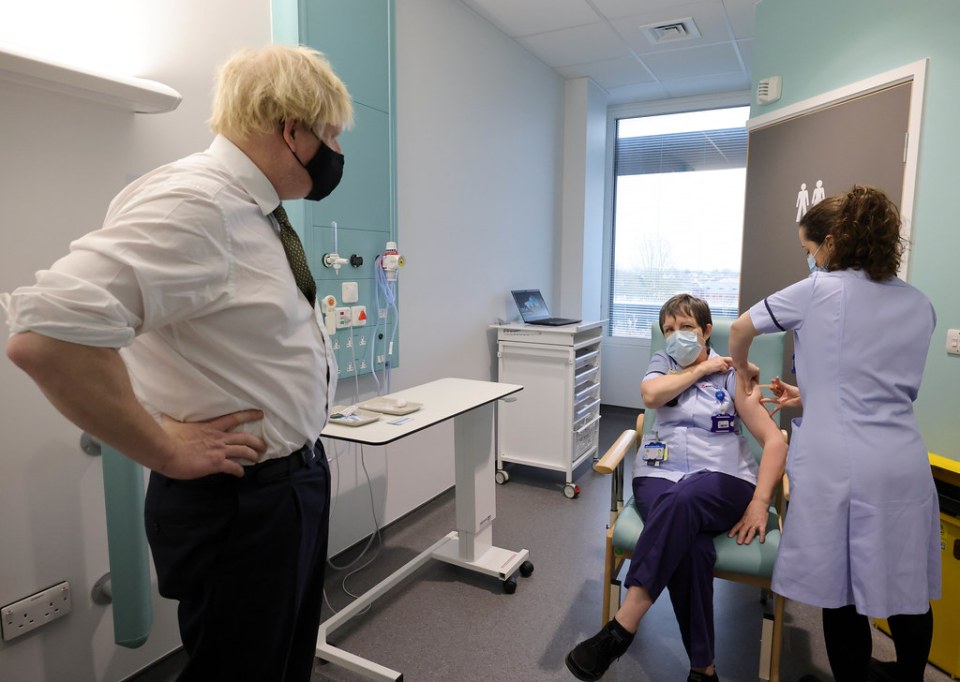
325, 169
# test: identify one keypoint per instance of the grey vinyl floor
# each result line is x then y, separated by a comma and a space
445, 623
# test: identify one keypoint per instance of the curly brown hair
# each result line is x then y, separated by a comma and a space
865, 226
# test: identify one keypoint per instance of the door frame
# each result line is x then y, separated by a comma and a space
914, 72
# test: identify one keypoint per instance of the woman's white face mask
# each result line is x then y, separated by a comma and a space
684, 347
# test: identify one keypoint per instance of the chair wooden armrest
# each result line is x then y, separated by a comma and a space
625, 444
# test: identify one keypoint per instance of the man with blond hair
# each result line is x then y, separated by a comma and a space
185, 334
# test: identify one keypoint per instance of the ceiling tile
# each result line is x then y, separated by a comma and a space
610, 73
707, 85
666, 9
591, 43
526, 17
642, 92
696, 61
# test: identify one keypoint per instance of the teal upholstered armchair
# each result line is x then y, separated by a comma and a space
751, 564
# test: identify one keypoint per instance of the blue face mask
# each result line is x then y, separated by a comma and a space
684, 347
812, 261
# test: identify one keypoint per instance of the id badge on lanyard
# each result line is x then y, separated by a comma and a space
724, 421
654, 450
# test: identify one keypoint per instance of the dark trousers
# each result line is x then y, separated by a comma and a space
847, 635
676, 551
245, 558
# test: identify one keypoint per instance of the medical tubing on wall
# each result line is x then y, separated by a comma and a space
390, 298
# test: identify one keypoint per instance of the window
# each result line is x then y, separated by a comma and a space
678, 214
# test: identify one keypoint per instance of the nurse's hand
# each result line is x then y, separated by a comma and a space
715, 364
753, 522
785, 395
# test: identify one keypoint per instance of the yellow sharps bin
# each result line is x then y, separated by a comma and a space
945, 652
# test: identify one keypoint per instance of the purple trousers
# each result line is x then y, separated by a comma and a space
675, 549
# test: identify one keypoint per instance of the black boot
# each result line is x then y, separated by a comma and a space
591, 658
696, 676
882, 671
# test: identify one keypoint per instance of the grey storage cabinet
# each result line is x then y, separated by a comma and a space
553, 423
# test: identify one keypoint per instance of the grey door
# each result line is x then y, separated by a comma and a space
860, 140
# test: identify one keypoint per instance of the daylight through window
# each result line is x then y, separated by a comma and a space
678, 216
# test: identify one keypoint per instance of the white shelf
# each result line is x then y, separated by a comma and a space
125, 92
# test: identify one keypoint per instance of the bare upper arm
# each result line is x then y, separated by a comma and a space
755, 416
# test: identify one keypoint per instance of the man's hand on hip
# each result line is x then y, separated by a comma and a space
210, 447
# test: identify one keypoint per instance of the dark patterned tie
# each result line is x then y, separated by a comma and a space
295, 255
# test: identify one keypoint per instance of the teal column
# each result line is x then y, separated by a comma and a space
129, 555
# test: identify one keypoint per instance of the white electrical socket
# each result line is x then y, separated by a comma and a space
953, 341
38, 609
343, 317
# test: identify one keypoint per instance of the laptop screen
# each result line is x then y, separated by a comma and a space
531, 304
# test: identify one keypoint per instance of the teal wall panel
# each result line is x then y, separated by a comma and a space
363, 198
357, 37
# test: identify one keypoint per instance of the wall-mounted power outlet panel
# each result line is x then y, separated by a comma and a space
38, 609
953, 341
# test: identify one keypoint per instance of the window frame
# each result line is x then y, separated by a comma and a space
677, 105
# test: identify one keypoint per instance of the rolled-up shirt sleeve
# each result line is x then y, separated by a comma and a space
783, 310
150, 265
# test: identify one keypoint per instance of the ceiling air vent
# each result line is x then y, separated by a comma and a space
669, 31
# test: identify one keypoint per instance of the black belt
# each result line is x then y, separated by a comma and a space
263, 473
280, 467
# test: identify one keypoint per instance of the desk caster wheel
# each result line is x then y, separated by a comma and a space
502, 477
510, 585
570, 491
526, 569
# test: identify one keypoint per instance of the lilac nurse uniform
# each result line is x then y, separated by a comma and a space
862, 527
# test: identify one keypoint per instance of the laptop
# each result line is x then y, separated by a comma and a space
533, 309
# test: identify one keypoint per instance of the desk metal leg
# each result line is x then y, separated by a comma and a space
476, 499
470, 546
350, 661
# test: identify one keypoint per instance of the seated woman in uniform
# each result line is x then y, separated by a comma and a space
701, 487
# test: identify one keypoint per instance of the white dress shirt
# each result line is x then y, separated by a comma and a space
188, 277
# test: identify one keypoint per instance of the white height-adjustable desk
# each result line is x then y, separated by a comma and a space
470, 404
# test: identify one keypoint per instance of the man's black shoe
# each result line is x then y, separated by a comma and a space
591, 658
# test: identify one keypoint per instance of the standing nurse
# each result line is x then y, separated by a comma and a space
862, 536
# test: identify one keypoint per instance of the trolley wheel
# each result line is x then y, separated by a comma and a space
510, 585
571, 491
502, 476
526, 569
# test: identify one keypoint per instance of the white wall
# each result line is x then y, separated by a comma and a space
578, 267
61, 161
479, 127
479, 138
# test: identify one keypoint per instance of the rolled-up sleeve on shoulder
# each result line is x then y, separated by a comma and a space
84, 298
154, 263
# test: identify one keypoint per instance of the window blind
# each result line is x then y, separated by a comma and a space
646, 271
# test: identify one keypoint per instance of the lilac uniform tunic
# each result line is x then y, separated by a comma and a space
863, 522
686, 428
